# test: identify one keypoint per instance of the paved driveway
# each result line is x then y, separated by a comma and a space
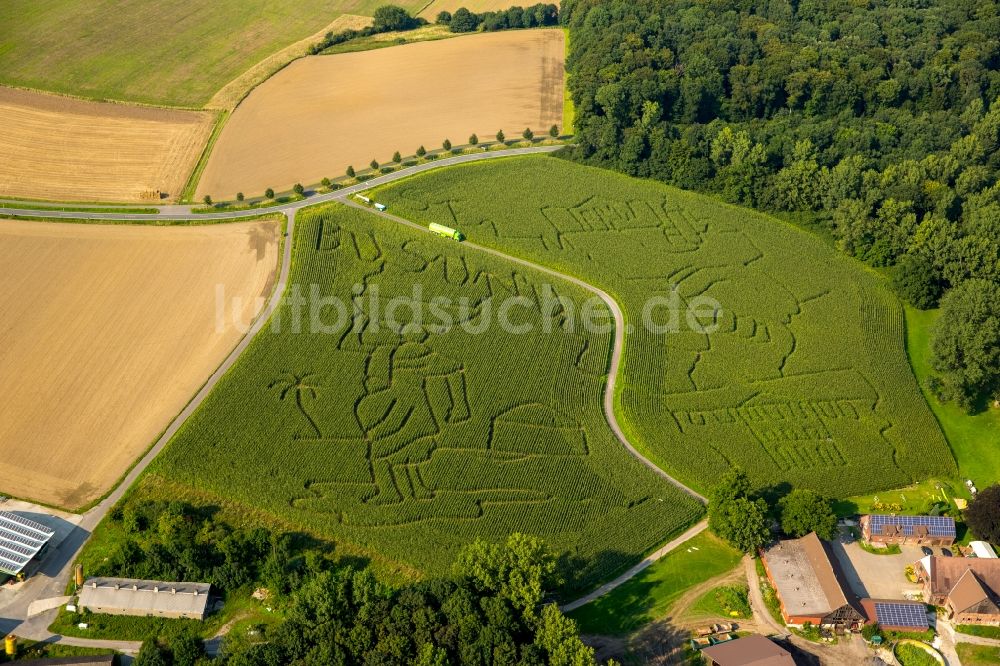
876, 576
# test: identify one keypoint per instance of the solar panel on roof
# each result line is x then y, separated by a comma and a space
900, 615
25, 523
21, 539
939, 526
14, 548
6, 535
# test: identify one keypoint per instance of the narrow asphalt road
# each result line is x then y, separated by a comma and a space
692, 532
57, 566
176, 212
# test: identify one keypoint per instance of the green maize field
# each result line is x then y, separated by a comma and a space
802, 376
409, 441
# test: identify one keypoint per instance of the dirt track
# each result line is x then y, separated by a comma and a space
109, 330
321, 114
72, 150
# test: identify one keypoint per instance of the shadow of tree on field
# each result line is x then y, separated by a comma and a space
579, 572
660, 643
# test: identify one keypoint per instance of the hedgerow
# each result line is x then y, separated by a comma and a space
804, 382
410, 442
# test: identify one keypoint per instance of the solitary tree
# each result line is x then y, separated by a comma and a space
373, 164
269, 193
350, 172
804, 511
239, 196
554, 131
463, 21
743, 523
391, 17
983, 514
473, 139
733, 484
207, 200
325, 182
298, 189
421, 151
734, 517
500, 136
446, 144
396, 157
528, 134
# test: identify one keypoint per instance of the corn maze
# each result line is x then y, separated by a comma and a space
409, 438
804, 379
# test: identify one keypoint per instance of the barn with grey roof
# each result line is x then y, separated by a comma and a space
145, 598
21, 541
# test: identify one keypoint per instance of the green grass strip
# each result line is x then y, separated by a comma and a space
81, 209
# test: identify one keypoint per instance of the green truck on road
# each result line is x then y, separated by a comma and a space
447, 232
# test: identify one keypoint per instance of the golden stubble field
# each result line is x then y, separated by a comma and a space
323, 113
430, 12
73, 150
107, 332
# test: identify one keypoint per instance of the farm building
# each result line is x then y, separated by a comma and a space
752, 650
920, 530
810, 585
145, 598
967, 587
21, 541
895, 615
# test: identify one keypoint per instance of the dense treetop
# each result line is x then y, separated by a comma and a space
877, 118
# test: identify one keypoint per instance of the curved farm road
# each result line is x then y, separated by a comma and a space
56, 568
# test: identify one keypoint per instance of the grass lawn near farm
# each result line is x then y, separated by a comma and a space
28, 649
649, 595
913, 499
977, 655
126, 628
984, 631
802, 377
973, 438
408, 440
189, 50
727, 601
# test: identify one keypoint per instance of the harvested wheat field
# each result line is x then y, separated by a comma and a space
73, 150
323, 113
110, 330
430, 12
233, 92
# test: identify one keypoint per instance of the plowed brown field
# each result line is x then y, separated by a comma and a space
73, 150
106, 333
321, 114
